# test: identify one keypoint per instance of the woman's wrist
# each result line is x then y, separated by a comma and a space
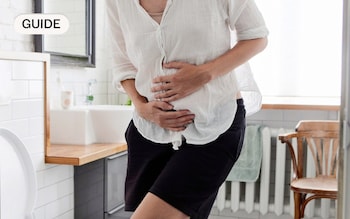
136, 98
139, 102
209, 71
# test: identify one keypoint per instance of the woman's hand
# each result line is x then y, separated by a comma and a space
187, 79
162, 114
158, 112
190, 78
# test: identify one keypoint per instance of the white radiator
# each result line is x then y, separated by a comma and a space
271, 193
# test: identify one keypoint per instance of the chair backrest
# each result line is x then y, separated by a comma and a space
322, 139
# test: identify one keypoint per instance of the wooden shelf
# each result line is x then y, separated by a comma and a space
301, 103
78, 155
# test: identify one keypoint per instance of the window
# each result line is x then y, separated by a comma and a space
303, 57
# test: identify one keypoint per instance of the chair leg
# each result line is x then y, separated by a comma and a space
302, 205
297, 199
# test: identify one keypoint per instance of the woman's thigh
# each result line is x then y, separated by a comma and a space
146, 160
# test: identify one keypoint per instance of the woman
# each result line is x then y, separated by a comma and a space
175, 60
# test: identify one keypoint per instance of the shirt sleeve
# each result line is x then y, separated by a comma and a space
246, 23
246, 19
122, 68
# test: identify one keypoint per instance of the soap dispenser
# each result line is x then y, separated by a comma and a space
90, 96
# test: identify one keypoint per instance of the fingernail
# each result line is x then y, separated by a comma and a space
171, 107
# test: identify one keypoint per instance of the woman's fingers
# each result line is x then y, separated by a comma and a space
166, 117
187, 79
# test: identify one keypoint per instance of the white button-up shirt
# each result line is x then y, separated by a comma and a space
193, 31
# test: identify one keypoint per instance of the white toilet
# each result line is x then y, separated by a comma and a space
18, 185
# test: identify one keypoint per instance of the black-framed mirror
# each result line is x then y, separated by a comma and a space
76, 47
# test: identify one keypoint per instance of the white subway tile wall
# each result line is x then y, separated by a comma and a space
24, 114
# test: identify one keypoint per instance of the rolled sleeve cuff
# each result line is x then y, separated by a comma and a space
255, 33
118, 77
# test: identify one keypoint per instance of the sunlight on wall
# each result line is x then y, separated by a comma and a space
303, 57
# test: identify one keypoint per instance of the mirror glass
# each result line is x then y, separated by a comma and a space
76, 46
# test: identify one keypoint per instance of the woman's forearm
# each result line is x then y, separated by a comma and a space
239, 54
130, 89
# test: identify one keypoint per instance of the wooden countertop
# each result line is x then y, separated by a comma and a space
78, 155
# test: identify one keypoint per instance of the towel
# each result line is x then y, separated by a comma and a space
247, 167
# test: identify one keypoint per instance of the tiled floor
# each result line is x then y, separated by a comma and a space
226, 214
268, 216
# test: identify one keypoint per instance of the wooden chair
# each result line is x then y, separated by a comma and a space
321, 137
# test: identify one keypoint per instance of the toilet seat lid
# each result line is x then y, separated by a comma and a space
18, 184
